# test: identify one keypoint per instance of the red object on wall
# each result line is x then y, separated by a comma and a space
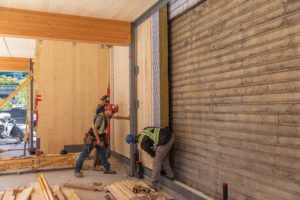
38, 98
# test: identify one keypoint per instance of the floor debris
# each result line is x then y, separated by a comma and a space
40, 190
133, 190
81, 186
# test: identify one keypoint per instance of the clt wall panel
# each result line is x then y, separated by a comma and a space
70, 78
144, 81
42, 25
120, 95
235, 100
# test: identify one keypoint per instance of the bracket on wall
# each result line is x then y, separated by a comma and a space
137, 70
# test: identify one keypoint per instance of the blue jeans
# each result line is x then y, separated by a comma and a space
86, 152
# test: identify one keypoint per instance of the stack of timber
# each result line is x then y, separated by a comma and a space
40, 190
123, 190
37, 163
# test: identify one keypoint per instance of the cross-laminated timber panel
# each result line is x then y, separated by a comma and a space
144, 82
70, 78
41, 25
120, 96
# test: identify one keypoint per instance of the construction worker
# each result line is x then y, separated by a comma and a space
96, 138
157, 142
100, 109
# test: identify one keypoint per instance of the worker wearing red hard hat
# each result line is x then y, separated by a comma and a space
96, 137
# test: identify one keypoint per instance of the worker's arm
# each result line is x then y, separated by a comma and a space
120, 117
95, 129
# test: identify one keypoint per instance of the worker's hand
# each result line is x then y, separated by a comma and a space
99, 143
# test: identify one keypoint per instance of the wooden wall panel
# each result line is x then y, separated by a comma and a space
144, 84
42, 25
120, 95
235, 98
70, 78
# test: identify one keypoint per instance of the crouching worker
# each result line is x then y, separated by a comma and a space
96, 138
158, 142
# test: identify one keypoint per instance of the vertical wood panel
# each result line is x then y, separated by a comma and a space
144, 84
71, 78
120, 96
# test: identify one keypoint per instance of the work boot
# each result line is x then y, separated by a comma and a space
171, 178
78, 174
154, 186
109, 171
98, 168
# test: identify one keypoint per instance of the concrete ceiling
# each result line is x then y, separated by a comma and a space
126, 10
17, 47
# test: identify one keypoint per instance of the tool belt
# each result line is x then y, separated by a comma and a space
90, 138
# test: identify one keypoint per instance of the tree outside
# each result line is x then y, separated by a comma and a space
20, 100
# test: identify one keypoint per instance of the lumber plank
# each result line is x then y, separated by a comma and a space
1, 195
25, 194
58, 193
70, 194
83, 186
37, 192
34, 163
48, 193
8, 195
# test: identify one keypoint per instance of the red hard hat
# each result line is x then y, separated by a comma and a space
114, 108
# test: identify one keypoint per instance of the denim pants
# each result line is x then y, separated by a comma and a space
86, 152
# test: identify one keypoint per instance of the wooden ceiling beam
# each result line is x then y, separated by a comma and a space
42, 25
11, 64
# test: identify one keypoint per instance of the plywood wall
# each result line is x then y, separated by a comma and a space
120, 96
70, 78
144, 83
236, 100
